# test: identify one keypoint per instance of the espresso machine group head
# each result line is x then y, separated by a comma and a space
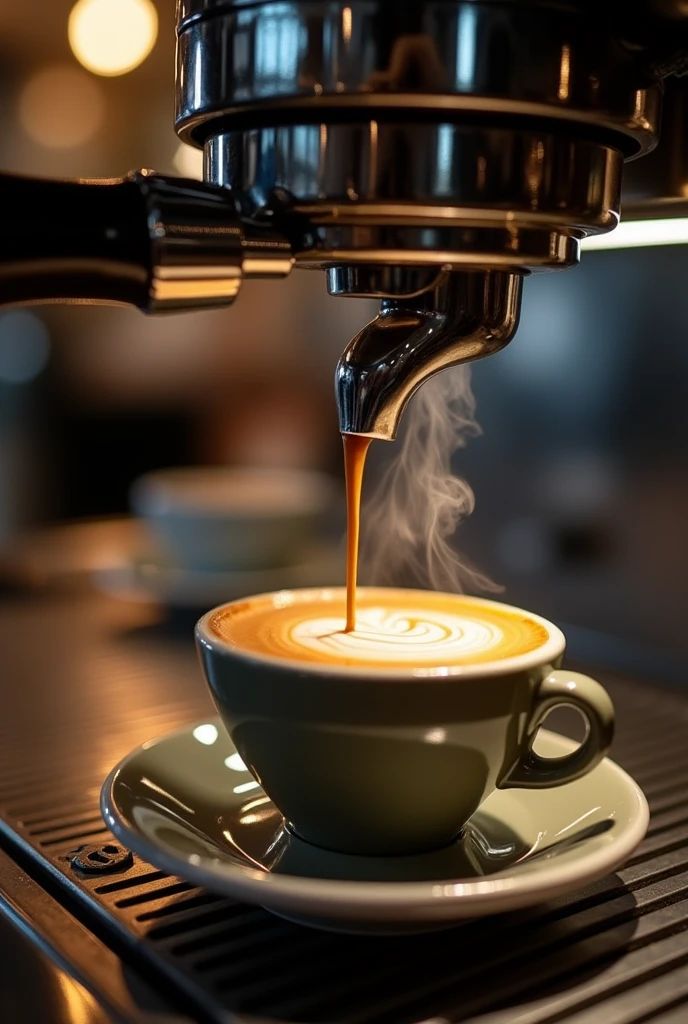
428, 154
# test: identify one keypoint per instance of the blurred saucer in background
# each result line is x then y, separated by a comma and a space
232, 519
178, 587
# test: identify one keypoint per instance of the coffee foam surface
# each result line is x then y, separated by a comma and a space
394, 629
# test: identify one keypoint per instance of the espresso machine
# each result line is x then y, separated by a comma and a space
430, 155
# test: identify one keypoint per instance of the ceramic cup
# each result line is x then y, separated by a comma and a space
227, 518
395, 761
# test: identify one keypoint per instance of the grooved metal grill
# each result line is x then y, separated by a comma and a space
104, 677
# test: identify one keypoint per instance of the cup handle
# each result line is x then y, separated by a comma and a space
560, 688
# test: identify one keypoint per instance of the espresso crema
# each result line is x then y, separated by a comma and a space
394, 629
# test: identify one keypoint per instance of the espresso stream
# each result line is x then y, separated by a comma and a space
355, 451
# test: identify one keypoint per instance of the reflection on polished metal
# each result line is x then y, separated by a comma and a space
366, 280
157, 243
200, 249
427, 153
655, 189
467, 315
411, 194
310, 114
248, 64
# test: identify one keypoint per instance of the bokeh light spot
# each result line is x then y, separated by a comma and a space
111, 37
61, 107
24, 346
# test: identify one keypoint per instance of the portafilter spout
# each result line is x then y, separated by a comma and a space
466, 315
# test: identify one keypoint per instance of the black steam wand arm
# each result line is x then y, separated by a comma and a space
145, 240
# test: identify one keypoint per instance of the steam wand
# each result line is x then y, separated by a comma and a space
465, 316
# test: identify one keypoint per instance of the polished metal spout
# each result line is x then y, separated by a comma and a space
467, 315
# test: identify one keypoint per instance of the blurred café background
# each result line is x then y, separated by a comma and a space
581, 470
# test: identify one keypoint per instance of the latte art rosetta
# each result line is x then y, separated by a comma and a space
399, 635
394, 628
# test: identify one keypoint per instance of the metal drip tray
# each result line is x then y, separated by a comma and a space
102, 677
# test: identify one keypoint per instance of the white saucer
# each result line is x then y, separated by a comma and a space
186, 803
175, 586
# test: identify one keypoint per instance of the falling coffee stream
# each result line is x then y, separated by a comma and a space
355, 451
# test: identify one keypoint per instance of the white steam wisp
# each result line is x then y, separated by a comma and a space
409, 521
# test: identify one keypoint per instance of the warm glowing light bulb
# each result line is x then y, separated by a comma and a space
61, 107
111, 37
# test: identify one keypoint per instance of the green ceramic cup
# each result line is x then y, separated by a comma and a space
395, 761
